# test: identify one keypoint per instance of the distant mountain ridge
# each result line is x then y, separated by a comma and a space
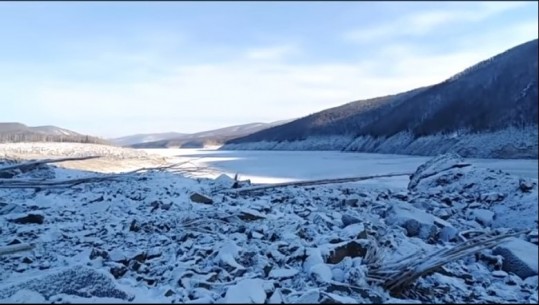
496, 96
194, 140
12, 132
145, 138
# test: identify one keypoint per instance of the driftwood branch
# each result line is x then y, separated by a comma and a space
41, 183
14, 249
398, 276
313, 182
44, 161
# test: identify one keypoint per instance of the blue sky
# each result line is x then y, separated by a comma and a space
117, 68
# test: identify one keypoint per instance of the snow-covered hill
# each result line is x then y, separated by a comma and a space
145, 138
215, 137
509, 143
17, 132
496, 97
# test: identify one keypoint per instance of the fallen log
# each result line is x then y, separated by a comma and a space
44, 161
312, 182
14, 249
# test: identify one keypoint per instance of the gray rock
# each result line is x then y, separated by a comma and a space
525, 186
519, 257
350, 202
347, 249
435, 166
416, 222
448, 234
30, 218
198, 198
349, 220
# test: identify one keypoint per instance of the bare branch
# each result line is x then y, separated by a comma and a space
313, 182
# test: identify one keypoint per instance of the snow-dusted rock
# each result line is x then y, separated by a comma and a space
310, 297
484, 217
322, 273
224, 181
480, 189
276, 297
193, 253
356, 230
248, 291
199, 198
416, 222
283, 273
519, 257
448, 233
349, 220
434, 167
81, 281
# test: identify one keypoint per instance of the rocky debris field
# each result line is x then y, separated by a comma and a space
161, 237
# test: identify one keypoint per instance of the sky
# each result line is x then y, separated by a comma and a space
112, 69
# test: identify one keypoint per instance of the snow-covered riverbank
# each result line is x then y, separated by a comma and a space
147, 238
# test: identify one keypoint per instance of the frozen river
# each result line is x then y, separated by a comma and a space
284, 166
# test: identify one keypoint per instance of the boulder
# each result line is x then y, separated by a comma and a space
435, 166
484, 217
349, 220
417, 223
525, 185
448, 234
199, 198
30, 218
519, 257
246, 291
352, 249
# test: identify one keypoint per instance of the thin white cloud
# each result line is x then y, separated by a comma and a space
150, 93
424, 22
197, 97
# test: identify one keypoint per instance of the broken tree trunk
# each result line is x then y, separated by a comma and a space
396, 277
313, 182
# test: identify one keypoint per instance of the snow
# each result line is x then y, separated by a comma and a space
321, 272
282, 273
485, 217
228, 253
246, 292
122, 249
24, 296
520, 255
505, 143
